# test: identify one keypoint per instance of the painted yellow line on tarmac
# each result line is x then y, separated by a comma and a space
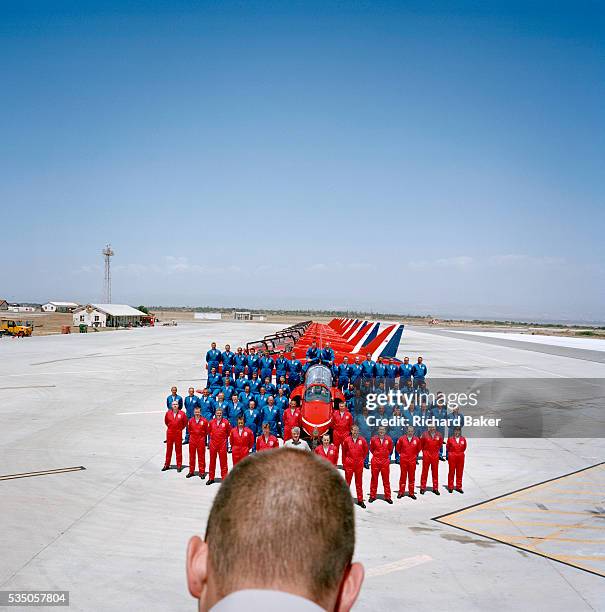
580, 557
546, 539
547, 511
525, 523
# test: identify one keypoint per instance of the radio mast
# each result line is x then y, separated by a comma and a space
107, 254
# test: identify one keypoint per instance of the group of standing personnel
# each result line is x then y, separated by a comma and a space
241, 411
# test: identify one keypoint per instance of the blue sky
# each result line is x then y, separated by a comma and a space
429, 157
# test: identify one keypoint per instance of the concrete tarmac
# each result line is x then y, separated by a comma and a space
115, 534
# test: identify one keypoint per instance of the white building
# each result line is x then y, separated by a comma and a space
107, 315
59, 307
20, 308
242, 315
207, 316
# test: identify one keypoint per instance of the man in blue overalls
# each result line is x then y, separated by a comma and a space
281, 367
344, 374
191, 402
240, 361
294, 372
213, 358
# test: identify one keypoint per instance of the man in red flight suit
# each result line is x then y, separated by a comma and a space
175, 421
241, 439
408, 447
198, 429
381, 447
456, 447
431, 441
292, 418
267, 441
327, 450
218, 430
354, 451
342, 421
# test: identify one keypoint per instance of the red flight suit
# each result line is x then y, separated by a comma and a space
381, 460
430, 458
241, 443
197, 443
353, 455
263, 444
408, 452
341, 428
174, 436
330, 455
455, 458
218, 432
291, 419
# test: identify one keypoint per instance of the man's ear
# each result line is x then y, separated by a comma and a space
197, 566
351, 587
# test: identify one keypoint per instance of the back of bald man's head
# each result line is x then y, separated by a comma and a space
281, 518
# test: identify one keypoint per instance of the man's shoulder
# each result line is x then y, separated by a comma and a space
266, 600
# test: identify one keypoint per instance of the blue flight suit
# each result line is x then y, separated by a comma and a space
235, 410
215, 381
207, 404
380, 415
253, 363
312, 355
326, 356
405, 373
255, 385
344, 375
190, 404
266, 367
240, 383
424, 416
408, 392
282, 402
227, 375
213, 359
224, 405
380, 371
409, 416
440, 413
294, 373
271, 415
365, 431
240, 361
252, 421
392, 372
174, 398
261, 400
419, 371
454, 420
226, 390
246, 397
270, 388
355, 405
368, 369
228, 357
286, 388
355, 373
388, 410
348, 393
281, 368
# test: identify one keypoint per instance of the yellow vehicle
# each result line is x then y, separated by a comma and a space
16, 328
